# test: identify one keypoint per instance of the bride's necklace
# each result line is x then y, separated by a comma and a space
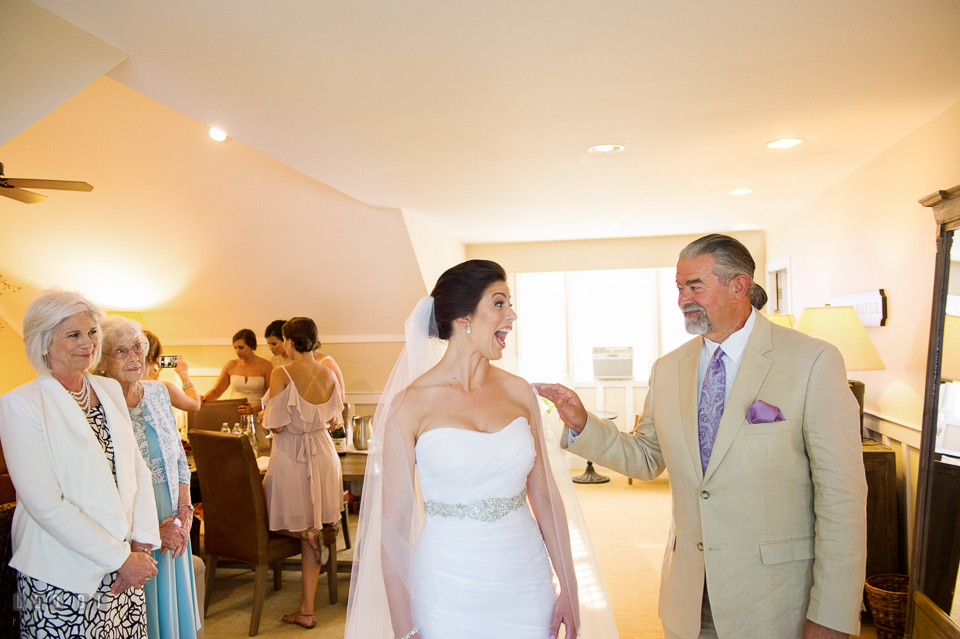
83, 396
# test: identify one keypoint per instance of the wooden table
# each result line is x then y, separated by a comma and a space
353, 465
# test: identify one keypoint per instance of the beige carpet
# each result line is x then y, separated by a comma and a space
628, 525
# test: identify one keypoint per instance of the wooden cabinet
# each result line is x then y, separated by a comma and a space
883, 543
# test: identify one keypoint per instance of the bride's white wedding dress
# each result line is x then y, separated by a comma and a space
480, 568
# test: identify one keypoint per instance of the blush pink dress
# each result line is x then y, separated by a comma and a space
304, 482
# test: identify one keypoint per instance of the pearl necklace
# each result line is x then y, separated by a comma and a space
83, 396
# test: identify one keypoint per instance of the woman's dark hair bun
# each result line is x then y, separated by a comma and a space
302, 331
459, 290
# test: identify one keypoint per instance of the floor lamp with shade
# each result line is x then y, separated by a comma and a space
841, 326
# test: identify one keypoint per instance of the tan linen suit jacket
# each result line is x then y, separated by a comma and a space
777, 524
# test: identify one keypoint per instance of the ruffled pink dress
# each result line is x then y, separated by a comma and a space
304, 482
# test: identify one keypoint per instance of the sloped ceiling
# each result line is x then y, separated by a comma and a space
477, 115
46, 60
472, 117
205, 238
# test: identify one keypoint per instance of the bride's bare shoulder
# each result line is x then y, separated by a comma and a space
417, 398
515, 385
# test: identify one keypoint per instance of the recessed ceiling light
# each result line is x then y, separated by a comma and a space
606, 148
615, 223
741, 191
785, 143
217, 134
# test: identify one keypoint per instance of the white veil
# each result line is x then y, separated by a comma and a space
391, 511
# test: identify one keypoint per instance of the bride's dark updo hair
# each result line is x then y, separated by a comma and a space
302, 331
459, 290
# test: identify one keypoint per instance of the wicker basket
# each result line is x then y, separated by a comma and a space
887, 598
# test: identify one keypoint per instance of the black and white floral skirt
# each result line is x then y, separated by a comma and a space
48, 611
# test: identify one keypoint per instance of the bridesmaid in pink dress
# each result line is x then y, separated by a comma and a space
303, 484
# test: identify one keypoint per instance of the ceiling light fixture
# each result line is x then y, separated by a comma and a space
741, 191
217, 134
785, 143
615, 223
604, 149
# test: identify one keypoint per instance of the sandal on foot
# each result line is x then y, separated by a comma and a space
294, 618
317, 538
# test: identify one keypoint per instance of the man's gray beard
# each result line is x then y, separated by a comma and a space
699, 325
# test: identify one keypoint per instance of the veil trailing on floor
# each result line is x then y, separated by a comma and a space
391, 511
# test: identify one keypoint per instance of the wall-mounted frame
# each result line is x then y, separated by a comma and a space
871, 306
779, 290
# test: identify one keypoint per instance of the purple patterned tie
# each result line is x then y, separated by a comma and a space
711, 405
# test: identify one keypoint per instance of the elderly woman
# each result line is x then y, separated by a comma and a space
171, 597
85, 520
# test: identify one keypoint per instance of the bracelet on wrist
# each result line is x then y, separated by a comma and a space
187, 385
190, 506
135, 547
410, 634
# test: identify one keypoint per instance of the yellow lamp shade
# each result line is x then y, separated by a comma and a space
786, 319
841, 326
950, 367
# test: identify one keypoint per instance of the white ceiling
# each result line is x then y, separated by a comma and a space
349, 118
476, 116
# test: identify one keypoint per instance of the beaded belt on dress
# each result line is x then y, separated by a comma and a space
484, 510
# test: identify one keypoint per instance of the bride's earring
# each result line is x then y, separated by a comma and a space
468, 328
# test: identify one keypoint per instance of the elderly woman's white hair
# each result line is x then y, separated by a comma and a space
117, 330
46, 310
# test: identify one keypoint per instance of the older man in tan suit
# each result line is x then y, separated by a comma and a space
760, 434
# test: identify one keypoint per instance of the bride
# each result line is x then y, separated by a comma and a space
476, 560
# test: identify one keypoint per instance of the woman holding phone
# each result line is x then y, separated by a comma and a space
156, 360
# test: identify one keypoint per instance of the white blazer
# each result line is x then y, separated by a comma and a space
73, 524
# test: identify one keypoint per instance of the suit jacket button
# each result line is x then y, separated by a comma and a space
705, 495
700, 546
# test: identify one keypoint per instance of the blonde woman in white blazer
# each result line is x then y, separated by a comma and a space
86, 520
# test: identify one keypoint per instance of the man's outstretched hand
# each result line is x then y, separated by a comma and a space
568, 404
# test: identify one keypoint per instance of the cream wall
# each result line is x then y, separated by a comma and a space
435, 250
590, 255
869, 232
14, 367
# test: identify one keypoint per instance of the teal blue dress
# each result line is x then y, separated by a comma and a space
172, 611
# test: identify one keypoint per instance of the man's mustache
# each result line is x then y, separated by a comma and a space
693, 306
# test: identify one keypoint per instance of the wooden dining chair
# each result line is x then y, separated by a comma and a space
235, 516
213, 415
633, 431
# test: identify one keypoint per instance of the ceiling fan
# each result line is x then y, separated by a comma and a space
13, 188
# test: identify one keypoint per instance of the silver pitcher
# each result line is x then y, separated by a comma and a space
362, 429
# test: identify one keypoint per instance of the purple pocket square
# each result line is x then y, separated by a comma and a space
761, 412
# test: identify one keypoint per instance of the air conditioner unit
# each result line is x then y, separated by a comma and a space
613, 362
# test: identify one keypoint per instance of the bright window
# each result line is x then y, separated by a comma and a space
563, 316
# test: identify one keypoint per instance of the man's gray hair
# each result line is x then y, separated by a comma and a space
732, 260
116, 330
46, 310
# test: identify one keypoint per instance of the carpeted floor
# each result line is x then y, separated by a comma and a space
628, 525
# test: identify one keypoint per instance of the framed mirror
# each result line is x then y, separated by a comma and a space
935, 597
